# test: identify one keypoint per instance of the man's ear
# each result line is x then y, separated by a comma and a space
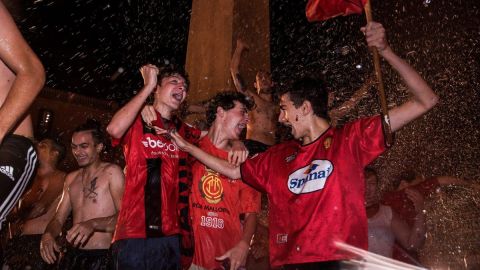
306, 107
220, 112
100, 147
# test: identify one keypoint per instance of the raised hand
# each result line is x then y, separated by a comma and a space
375, 36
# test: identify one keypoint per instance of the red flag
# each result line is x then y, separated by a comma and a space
321, 10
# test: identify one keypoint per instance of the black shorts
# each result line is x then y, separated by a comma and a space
91, 259
23, 252
18, 161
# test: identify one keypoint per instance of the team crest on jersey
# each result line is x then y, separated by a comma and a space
211, 187
310, 178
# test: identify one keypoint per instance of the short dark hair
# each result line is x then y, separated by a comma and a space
171, 70
58, 146
226, 100
95, 128
308, 89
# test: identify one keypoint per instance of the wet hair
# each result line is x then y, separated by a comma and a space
311, 90
58, 146
95, 128
226, 100
171, 70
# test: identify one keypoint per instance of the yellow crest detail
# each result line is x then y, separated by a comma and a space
211, 187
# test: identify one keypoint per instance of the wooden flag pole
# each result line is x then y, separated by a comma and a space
387, 129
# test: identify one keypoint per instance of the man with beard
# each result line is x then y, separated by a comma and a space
93, 195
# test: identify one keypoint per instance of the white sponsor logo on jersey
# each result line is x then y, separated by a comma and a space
156, 144
310, 178
8, 171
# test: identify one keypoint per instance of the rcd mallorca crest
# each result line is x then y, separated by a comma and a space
211, 186
310, 178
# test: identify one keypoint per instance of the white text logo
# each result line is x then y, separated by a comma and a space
310, 178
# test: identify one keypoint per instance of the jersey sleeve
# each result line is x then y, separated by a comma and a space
254, 171
249, 199
128, 135
366, 139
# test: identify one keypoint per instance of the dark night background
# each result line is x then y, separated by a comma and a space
82, 43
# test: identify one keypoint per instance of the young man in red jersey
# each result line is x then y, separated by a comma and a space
217, 202
315, 184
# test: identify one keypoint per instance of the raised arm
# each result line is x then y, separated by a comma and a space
124, 117
423, 98
235, 64
29, 73
337, 113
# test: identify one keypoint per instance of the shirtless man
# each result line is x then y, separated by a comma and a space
21, 79
93, 195
263, 117
36, 208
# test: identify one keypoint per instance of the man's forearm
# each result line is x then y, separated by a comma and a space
124, 117
220, 165
54, 228
105, 224
421, 91
250, 227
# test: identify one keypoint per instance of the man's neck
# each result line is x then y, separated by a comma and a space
315, 128
92, 168
45, 169
265, 94
218, 138
164, 110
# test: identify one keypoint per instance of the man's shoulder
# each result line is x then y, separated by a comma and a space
110, 169
72, 175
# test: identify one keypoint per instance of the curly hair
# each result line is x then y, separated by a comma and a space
226, 100
170, 70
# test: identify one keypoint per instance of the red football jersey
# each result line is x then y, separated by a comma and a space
216, 203
150, 202
316, 191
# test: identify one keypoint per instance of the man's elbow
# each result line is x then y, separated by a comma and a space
114, 131
430, 102
36, 73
